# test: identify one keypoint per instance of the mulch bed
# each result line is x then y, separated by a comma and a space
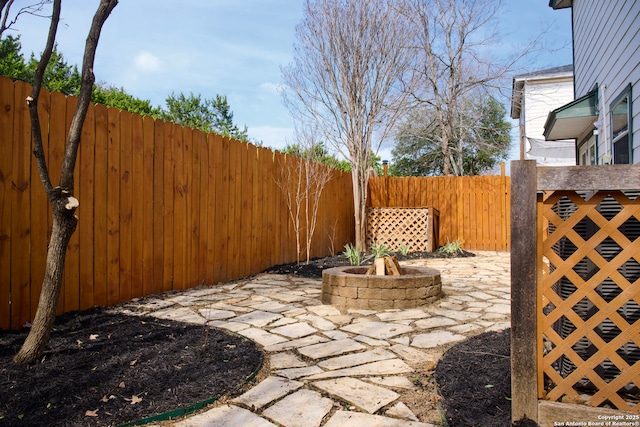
474, 379
103, 369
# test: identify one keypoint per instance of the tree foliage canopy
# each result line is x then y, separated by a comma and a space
208, 115
59, 76
480, 142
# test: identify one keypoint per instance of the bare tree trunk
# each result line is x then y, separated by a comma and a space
350, 57
63, 204
64, 225
360, 180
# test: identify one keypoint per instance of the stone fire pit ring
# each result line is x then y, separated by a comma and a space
349, 287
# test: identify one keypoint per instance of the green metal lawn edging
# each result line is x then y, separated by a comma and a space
189, 409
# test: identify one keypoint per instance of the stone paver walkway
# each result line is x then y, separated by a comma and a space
320, 356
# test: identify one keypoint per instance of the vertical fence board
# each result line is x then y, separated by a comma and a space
235, 232
20, 265
181, 192
221, 165
169, 196
85, 212
137, 213
146, 216
7, 109
126, 203
210, 206
244, 243
192, 199
269, 189
113, 207
200, 191
100, 227
159, 207
256, 211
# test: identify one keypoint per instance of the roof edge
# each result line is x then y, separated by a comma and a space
560, 4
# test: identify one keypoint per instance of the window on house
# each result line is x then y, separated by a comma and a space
587, 152
620, 118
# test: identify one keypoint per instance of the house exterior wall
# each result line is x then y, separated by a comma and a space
540, 97
606, 38
534, 96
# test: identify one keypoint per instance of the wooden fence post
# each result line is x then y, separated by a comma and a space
524, 386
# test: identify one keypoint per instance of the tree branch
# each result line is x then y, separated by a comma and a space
88, 78
32, 102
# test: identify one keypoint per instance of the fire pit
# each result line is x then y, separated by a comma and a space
351, 287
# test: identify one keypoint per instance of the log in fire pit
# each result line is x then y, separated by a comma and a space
352, 287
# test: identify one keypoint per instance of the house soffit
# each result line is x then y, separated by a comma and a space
572, 119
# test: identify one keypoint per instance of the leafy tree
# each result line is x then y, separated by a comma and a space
481, 141
451, 39
118, 98
208, 115
12, 62
58, 76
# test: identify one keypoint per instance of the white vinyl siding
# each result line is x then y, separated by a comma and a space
607, 53
541, 97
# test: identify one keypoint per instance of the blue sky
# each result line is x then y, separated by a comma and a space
236, 48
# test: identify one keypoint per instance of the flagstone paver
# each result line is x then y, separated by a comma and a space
383, 367
286, 360
358, 419
321, 357
331, 348
356, 359
258, 318
225, 416
377, 330
295, 330
304, 408
368, 397
267, 391
436, 339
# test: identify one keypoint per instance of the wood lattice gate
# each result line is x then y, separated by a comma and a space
576, 276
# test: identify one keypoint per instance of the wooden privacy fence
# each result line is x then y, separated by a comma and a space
473, 209
575, 293
162, 207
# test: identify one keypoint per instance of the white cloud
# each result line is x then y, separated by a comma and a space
146, 62
272, 137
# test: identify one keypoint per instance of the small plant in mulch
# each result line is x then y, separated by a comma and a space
352, 254
451, 248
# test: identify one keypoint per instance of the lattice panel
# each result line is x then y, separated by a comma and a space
395, 226
590, 293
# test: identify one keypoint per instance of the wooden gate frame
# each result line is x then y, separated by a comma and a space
527, 182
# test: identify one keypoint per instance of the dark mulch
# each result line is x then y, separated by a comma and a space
104, 369
474, 379
315, 266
